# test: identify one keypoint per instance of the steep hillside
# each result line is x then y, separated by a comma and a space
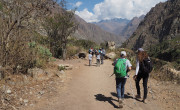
95, 33
162, 23
131, 26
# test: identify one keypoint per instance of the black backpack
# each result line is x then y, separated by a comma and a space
146, 66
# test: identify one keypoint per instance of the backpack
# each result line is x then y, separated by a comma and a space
120, 68
146, 66
103, 52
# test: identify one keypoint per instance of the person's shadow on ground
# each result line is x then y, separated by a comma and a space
126, 96
91, 65
103, 98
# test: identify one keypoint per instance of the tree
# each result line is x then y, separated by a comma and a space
17, 18
59, 27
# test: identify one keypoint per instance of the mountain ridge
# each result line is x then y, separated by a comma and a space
161, 23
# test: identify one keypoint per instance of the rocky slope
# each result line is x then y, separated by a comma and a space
159, 25
131, 26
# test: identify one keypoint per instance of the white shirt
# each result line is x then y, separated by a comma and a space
90, 56
98, 56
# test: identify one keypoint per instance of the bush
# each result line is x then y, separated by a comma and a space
86, 44
72, 50
168, 50
42, 54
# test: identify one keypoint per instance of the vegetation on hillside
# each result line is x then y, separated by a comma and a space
17, 31
26, 43
168, 50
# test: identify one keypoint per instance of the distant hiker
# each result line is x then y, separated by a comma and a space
121, 67
143, 68
91, 50
103, 52
101, 55
98, 59
95, 52
90, 58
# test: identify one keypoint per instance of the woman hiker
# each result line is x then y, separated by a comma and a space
140, 74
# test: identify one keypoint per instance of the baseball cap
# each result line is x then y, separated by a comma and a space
123, 53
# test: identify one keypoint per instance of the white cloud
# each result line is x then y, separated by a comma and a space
109, 9
86, 15
78, 4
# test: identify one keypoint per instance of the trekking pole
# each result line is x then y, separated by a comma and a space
151, 89
111, 75
132, 92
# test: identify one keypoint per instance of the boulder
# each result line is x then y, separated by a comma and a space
65, 67
38, 74
82, 55
111, 55
60, 73
111, 45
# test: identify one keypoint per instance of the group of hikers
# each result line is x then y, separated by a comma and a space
121, 68
99, 56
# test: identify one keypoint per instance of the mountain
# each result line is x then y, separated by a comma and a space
159, 32
113, 25
94, 33
89, 31
131, 26
160, 24
121, 27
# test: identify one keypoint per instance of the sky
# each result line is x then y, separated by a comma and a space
97, 10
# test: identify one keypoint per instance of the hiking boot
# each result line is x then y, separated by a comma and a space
138, 96
144, 101
120, 101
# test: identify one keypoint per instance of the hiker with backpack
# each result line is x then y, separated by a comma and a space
121, 67
143, 68
103, 52
90, 58
98, 59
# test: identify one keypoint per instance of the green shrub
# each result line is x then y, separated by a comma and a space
73, 50
42, 54
168, 50
61, 68
86, 44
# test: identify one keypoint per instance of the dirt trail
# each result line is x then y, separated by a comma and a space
92, 88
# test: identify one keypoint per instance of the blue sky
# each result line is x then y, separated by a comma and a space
89, 4
96, 10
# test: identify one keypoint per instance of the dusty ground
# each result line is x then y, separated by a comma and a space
92, 88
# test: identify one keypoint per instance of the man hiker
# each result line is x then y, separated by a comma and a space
98, 59
121, 67
90, 58
143, 68
103, 52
